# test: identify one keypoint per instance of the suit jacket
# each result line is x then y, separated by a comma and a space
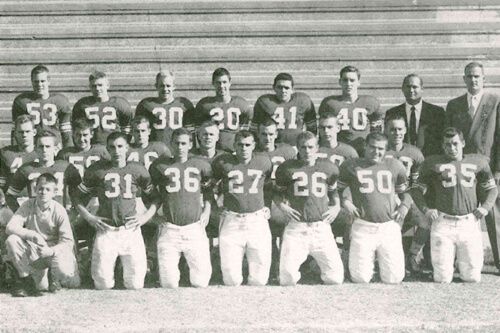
430, 129
481, 133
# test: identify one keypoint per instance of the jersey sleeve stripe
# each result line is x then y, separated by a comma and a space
332, 187
65, 127
489, 184
3, 181
125, 129
84, 189
401, 188
341, 185
13, 191
280, 188
421, 187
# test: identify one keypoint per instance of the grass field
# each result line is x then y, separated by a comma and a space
410, 307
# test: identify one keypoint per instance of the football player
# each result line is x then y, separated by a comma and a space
329, 146
412, 158
166, 112
306, 193
48, 111
107, 113
183, 183
456, 213
244, 227
375, 183
293, 111
117, 184
232, 113
356, 114
25, 177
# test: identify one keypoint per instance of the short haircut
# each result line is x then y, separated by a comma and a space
139, 119
221, 71
395, 116
376, 136
450, 132
181, 131
327, 115
22, 119
82, 124
350, 69
47, 177
97, 75
283, 77
305, 136
116, 135
39, 69
46, 133
163, 75
267, 121
243, 134
473, 64
207, 123
409, 76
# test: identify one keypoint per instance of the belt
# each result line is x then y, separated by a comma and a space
456, 217
236, 214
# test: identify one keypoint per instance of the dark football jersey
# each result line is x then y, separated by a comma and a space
53, 113
147, 155
11, 158
282, 152
231, 117
181, 186
165, 118
242, 184
412, 159
354, 118
292, 117
116, 188
197, 152
454, 182
106, 117
338, 154
26, 176
306, 187
83, 159
374, 186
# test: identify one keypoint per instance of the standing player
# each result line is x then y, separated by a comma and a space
23, 151
232, 113
107, 113
183, 183
329, 146
117, 184
293, 111
48, 111
143, 150
412, 158
244, 223
356, 113
456, 212
25, 177
306, 193
166, 112
375, 183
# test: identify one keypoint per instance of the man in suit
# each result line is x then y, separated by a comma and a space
424, 121
477, 115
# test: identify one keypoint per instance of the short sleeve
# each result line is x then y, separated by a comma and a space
401, 184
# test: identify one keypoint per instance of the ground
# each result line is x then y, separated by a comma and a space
410, 307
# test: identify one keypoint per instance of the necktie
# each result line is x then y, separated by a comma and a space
472, 106
413, 127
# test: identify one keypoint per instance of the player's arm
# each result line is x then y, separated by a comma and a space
310, 118
72, 179
17, 110
18, 183
207, 193
496, 148
415, 168
65, 127
65, 234
17, 222
258, 115
420, 189
487, 183
246, 115
333, 198
279, 194
151, 196
4, 174
188, 120
401, 188
125, 116
342, 184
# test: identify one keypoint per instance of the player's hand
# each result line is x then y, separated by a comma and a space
432, 215
290, 213
45, 251
36, 238
135, 221
351, 209
331, 214
98, 222
497, 178
400, 214
480, 212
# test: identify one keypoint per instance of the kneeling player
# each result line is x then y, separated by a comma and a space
181, 181
456, 212
117, 184
374, 182
308, 186
41, 240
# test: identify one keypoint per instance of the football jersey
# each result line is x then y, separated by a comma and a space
281, 153
242, 184
374, 186
231, 117
412, 159
11, 158
338, 154
306, 187
181, 186
83, 159
106, 117
26, 176
165, 118
454, 182
147, 155
292, 117
197, 152
353, 118
116, 188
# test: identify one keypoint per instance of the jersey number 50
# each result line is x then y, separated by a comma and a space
382, 180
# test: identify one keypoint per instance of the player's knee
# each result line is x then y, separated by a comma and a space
333, 277
169, 284
232, 280
200, 280
288, 279
12, 243
101, 284
134, 284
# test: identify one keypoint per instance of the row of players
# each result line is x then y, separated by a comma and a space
307, 190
